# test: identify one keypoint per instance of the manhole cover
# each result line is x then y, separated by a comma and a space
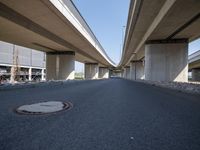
43, 108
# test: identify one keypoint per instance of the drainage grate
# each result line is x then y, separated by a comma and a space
43, 108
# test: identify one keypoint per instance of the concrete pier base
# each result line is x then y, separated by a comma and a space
136, 70
166, 60
91, 71
60, 65
103, 72
196, 74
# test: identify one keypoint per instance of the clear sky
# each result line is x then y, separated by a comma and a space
106, 18
194, 46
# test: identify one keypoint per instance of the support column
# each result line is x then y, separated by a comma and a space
30, 74
123, 73
166, 60
43, 74
137, 70
91, 71
119, 74
12, 74
103, 72
196, 74
110, 73
60, 65
15, 74
126, 72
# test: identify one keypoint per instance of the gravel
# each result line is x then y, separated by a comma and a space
188, 87
22, 85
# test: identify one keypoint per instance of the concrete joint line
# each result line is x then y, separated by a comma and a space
61, 53
136, 61
167, 41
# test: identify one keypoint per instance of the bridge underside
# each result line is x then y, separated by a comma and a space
39, 25
160, 22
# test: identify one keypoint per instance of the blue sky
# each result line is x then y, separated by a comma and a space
194, 46
106, 18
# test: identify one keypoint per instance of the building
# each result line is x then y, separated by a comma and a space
24, 63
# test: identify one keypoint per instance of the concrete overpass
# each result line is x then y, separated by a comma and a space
157, 36
56, 27
194, 65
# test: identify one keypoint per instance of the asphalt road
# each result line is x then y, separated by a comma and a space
112, 114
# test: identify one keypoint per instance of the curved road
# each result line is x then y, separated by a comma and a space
114, 114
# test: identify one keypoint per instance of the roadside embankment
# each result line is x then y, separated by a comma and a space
189, 87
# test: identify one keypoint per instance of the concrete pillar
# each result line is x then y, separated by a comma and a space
15, 74
110, 73
196, 74
12, 74
126, 73
123, 73
91, 71
103, 72
30, 74
60, 65
43, 74
119, 74
137, 70
166, 60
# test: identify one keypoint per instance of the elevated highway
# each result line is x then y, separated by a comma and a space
55, 27
157, 36
194, 65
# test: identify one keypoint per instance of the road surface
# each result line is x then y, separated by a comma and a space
114, 114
